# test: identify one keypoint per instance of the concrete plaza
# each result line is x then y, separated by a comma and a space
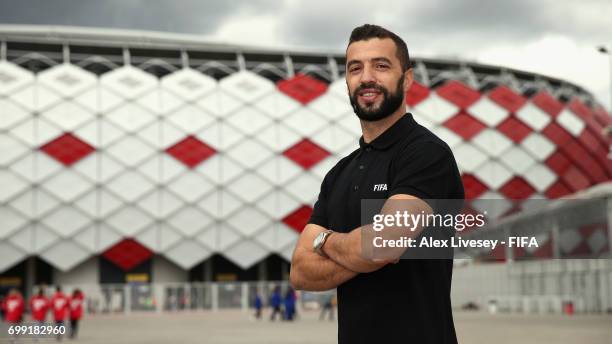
234, 326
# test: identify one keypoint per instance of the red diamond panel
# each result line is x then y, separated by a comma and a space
547, 103
600, 175
191, 151
514, 129
472, 186
468, 209
306, 153
582, 158
593, 169
464, 125
601, 155
458, 93
606, 162
519, 253
589, 140
507, 98
582, 249
67, 149
517, 188
127, 254
558, 162
557, 190
416, 94
579, 108
298, 218
557, 134
602, 116
498, 254
596, 129
587, 230
590, 229
574, 151
302, 88
575, 179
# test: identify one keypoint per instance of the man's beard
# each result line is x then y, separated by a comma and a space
389, 104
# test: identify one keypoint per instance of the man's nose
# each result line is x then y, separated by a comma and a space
367, 76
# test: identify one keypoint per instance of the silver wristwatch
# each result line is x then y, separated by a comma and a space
319, 241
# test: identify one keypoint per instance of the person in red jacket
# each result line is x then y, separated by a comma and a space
39, 305
13, 306
60, 306
76, 311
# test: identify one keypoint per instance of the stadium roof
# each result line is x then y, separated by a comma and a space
67, 36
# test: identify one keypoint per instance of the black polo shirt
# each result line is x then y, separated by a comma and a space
407, 302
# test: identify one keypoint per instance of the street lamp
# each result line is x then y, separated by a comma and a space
605, 50
607, 132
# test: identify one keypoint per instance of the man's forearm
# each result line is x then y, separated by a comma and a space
310, 271
346, 250
349, 251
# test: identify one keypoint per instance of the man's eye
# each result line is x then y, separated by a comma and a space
354, 69
382, 66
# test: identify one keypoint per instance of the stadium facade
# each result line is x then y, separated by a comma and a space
130, 156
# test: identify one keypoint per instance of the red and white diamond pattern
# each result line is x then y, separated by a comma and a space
127, 165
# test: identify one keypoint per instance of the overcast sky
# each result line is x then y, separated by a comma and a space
552, 37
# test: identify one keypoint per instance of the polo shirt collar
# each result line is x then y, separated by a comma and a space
397, 131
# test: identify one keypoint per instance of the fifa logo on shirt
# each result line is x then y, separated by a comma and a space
380, 187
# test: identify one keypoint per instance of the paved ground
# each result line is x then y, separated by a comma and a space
234, 327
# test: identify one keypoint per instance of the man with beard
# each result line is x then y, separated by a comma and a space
387, 299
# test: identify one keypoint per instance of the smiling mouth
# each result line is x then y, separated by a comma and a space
368, 95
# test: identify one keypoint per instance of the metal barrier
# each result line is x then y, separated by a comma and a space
525, 287
537, 286
174, 297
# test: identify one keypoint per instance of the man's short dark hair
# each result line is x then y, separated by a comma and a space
369, 31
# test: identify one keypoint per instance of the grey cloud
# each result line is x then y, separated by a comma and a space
474, 16
312, 24
447, 27
452, 27
183, 16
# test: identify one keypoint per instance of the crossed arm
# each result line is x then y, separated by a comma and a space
310, 271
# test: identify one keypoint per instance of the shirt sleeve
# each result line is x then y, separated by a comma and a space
319, 213
427, 171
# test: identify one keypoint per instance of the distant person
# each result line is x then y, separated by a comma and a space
328, 303
275, 303
39, 306
13, 307
290, 304
60, 306
258, 306
76, 312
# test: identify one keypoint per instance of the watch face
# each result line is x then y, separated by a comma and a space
318, 239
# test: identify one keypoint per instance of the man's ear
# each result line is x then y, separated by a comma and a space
408, 78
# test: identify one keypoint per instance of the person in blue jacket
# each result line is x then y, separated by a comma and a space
258, 306
275, 303
289, 304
